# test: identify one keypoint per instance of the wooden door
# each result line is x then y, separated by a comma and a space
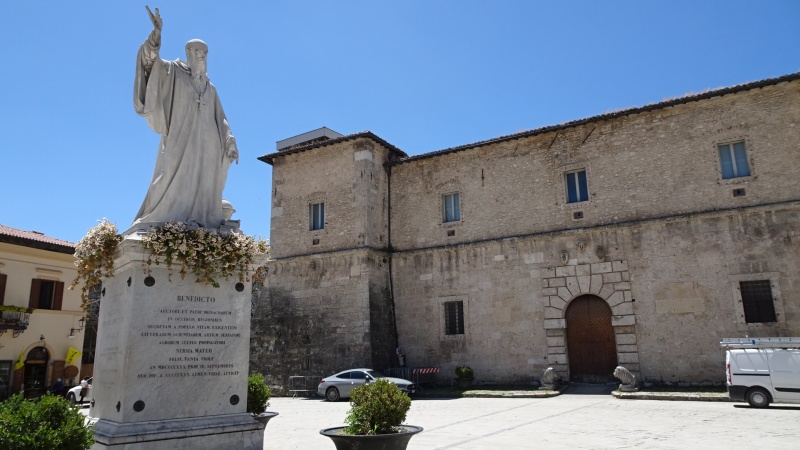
591, 345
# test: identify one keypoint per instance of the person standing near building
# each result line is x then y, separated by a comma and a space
57, 388
84, 388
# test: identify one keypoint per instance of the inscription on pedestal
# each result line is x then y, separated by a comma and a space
189, 338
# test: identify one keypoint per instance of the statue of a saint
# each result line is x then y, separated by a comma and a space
196, 146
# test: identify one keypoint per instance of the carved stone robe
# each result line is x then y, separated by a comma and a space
191, 165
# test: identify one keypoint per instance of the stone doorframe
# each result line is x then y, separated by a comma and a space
607, 280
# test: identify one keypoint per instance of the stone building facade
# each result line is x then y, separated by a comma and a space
639, 238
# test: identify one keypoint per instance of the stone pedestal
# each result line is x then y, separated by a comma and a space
171, 363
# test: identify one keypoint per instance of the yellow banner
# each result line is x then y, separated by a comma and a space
72, 354
20, 362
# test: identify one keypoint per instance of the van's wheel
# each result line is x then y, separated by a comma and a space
332, 394
71, 398
758, 398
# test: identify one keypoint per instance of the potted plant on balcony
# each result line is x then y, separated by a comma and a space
374, 422
464, 377
258, 395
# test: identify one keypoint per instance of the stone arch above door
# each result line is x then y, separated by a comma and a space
607, 280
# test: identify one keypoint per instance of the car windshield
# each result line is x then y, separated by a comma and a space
375, 374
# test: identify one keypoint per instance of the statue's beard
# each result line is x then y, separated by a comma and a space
198, 69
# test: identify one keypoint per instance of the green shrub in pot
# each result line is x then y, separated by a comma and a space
258, 394
377, 408
464, 372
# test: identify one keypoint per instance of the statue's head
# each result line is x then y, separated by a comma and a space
196, 56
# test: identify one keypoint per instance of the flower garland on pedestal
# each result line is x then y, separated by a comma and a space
205, 253
94, 257
208, 254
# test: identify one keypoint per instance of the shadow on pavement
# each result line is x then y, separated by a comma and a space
783, 408
588, 390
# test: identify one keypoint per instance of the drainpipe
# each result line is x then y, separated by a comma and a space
389, 249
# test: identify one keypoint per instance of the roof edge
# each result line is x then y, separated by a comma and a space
31, 243
608, 116
270, 157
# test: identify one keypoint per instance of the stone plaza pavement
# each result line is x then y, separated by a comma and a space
574, 421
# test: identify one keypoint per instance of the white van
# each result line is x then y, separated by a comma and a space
763, 370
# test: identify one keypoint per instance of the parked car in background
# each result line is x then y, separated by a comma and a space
339, 386
74, 394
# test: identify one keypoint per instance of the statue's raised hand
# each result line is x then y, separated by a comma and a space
155, 18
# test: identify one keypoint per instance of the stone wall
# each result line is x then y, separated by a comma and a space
663, 239
350, 179
318, 315
652, 164
671, 286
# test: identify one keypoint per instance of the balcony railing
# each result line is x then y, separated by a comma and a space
15, 319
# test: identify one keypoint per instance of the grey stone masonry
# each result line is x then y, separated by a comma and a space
665, 238
604, 279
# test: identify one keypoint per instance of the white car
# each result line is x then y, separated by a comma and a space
74, 394
339, 386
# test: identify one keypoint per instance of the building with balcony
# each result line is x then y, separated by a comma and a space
40, 318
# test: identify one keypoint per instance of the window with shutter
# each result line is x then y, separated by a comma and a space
46, 294
33, 302
3, 278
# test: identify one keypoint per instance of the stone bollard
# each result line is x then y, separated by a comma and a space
629, 383
549, 379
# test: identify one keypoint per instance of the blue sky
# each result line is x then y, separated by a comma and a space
424, 75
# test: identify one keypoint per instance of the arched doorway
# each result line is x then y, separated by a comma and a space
591, 346
35, 377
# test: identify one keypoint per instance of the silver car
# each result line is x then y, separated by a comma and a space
339, 386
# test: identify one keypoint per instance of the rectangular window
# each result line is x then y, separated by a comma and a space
757, 301
317, 216
46, 294
451, 208
454, 317
733, 160
46, 290
577, 188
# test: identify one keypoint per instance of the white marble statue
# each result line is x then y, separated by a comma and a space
196, 146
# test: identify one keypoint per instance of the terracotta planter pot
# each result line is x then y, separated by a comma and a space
264, 417
394, 441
